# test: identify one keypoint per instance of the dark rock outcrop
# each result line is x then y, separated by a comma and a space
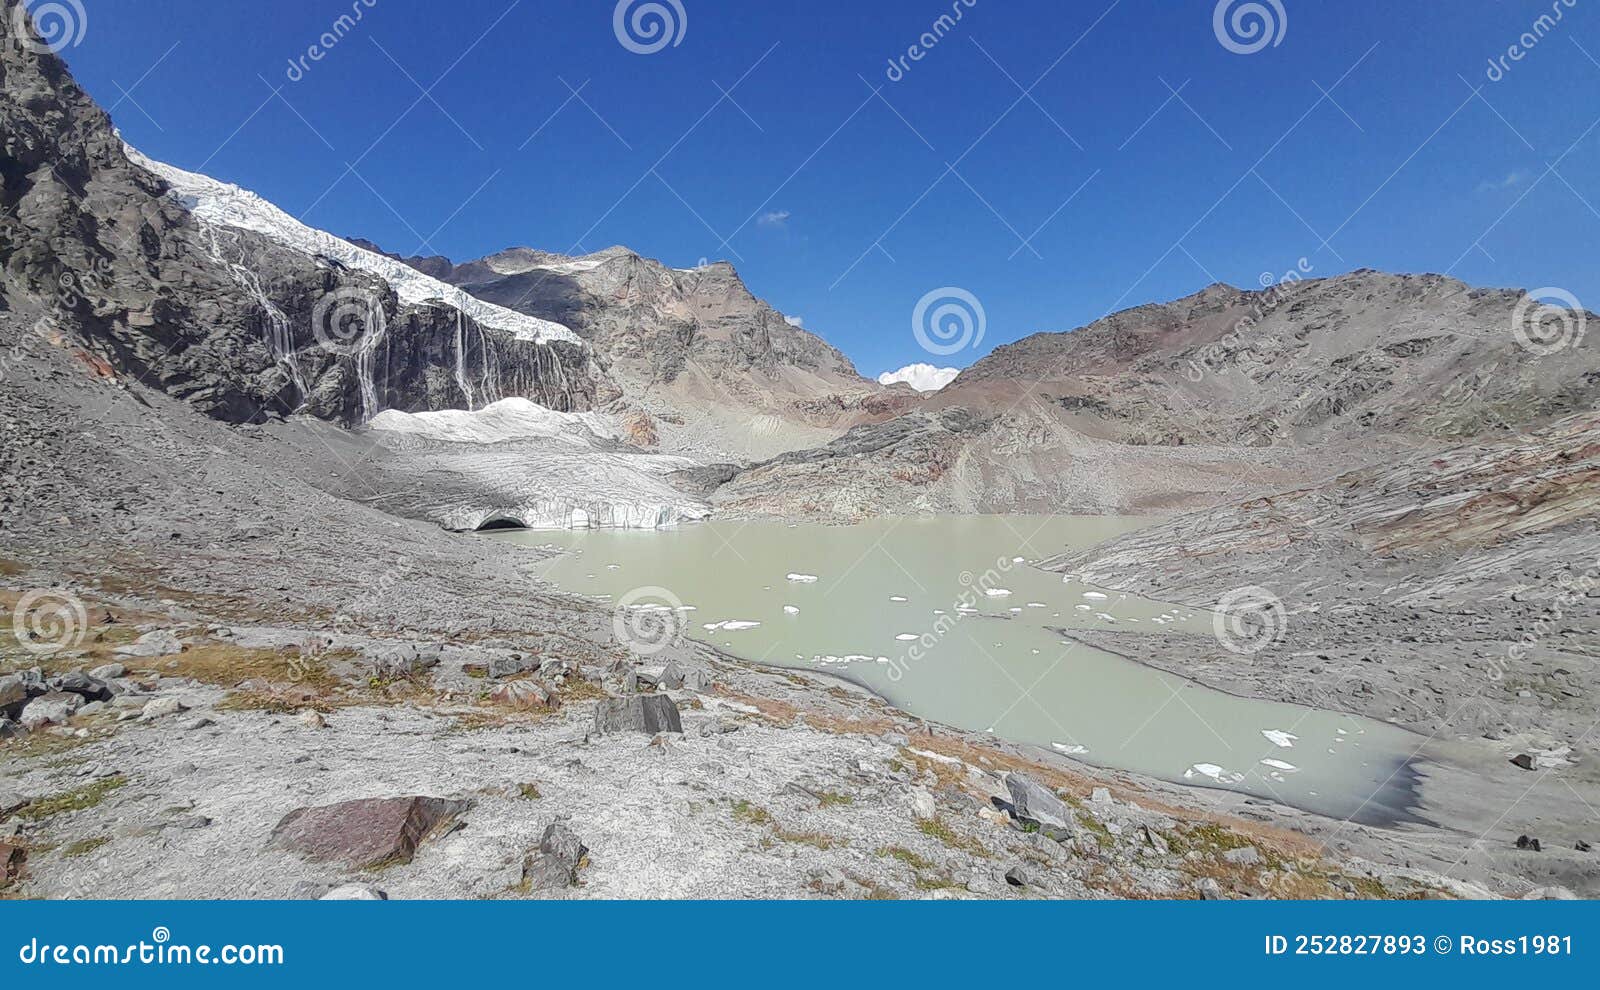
102, 259
554, 865
647, 713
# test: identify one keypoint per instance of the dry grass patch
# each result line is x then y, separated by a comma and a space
751, 814
79, 799
938, 828
84, 847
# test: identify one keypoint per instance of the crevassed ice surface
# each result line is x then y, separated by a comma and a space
229, 205
517, 462
988, 657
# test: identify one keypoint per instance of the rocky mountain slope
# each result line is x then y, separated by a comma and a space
1207, 398
1457, 594
240, 318
692, 349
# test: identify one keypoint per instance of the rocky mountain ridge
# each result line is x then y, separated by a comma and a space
99, 251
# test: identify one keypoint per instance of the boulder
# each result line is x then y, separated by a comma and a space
53, 708
10, 729
161, 707
1208, 889
366, 833
108, 672
1529, 843
160, 643
553, 668
13, 693
1035, 804
1243, 856
507, 666
647, 713
697, 681
405, 660
76, 682
11, 801
12, 856
554, 865
355, 892
523, 696
670, 677
1523, 760
923, 806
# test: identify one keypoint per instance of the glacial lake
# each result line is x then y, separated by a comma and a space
947, 618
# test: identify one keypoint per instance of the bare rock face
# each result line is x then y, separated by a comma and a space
98, 254
366, 833
647, 713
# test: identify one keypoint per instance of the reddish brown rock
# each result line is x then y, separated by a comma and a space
366, 833
524, 696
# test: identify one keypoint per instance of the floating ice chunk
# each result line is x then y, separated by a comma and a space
802, 578
1213, 771
997, 592
790, 610
1105, 617
1084, 608
907, 637
1094, 596
738, 625
1036, 605
1072, 750
1280, 765
1018, 560
1280, 738
896, 598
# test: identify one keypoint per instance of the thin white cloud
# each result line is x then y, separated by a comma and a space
777, 218
922, 377
1511, 181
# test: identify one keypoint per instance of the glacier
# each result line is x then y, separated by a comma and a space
228, 205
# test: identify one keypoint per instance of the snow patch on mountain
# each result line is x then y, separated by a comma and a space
922, 377
228, 205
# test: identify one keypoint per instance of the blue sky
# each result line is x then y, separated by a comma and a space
1096, 191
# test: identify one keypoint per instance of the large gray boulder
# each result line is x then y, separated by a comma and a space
1035, 804
554, 865
53, 708
647, 713
13, 694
